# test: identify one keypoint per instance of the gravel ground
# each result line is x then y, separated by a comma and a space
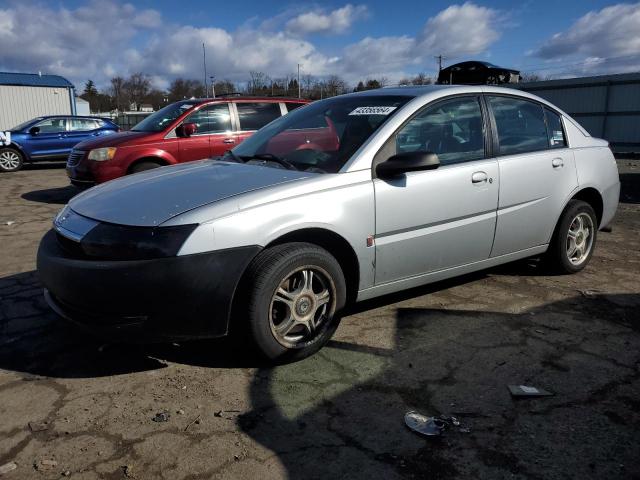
72, 406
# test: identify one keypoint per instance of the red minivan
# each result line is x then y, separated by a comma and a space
181, 132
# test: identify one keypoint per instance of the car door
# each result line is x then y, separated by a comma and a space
81, 129
196, 146
49, 138
222, 137
437, 219
537, 172
253, 116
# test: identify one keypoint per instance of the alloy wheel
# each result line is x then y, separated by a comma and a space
580, 238
9, 160
301, 306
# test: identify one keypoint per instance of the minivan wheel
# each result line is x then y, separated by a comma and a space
295, 292
11, 160
574, 238
143, 166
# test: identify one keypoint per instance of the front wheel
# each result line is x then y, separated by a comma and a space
295, 292
574, 239
10, 160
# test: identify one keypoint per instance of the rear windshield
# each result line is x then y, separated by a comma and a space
158, 121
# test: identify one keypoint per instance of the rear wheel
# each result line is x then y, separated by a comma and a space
143, 166
574, 238
294, 296
11, 160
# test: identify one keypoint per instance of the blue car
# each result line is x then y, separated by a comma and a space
49, 138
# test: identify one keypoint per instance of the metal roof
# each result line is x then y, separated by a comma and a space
34, 80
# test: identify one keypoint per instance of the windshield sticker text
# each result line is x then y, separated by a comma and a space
373, 111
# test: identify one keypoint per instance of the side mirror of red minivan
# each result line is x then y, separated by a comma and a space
186, 130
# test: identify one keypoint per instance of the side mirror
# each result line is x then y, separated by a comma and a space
34, 130
186, 130
407, 162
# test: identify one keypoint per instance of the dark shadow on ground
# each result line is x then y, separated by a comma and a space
52, 165
451, 362
630, 187
58, 195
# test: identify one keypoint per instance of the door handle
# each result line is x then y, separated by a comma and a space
228, 140
557, 162
479, 177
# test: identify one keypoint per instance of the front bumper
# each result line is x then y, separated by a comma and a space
180, 297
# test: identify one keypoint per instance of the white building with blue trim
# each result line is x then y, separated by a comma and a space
24, 96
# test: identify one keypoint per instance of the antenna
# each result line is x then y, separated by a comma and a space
439, 58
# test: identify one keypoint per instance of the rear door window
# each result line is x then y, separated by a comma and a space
555, 130
82, 124
521, 125
254, 116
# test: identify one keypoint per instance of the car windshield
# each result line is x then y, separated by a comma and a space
320, 137
158, 121
24, 125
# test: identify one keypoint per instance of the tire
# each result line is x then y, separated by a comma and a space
11, 160
580, 217
269, 314
143, 166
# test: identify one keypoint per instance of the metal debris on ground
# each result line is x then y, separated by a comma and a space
429, 426
38, 427
196, 421
9, 223
8, 467
161, 417
527, 391
589, 293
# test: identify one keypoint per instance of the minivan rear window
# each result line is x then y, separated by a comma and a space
254, 116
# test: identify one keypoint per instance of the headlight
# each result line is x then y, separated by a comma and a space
102, 154
120, 242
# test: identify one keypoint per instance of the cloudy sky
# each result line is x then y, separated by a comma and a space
98, 39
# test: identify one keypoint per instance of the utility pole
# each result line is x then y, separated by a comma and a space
299, 91
439, 58
213, 86
204, 65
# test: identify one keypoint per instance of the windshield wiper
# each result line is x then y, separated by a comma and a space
270, 157
233, 156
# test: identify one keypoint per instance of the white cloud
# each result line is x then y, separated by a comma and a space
73, 43
319, 21
466, 29
101, 39
459, 30
603, 41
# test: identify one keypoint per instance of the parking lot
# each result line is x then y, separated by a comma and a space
73, 406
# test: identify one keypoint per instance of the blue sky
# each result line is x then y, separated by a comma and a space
99, 39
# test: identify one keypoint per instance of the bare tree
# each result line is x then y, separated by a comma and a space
421, 79
530, 77
257, 81
117, 92
137, 87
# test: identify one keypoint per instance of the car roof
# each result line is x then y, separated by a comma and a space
243, 98
93, 117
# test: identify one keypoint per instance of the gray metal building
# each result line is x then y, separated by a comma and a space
24, 96
607, 106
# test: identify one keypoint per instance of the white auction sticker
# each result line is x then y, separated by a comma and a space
373, 111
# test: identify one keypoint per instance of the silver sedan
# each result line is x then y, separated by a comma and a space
342, 200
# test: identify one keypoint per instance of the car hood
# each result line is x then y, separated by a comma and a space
113, 140
155, 196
